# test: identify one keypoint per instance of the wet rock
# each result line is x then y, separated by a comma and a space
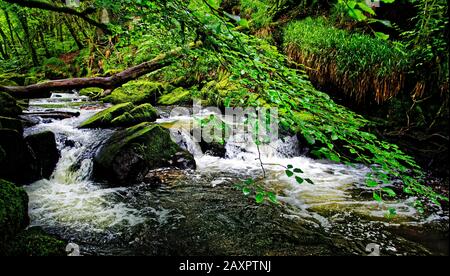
45, 152
11, 123
9, 106
17, 162
13, 212
129, 155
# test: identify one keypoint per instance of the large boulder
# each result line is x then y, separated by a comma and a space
24, 161
45, 153
9, 106
122, 115
13, 211
17, 162
130, 154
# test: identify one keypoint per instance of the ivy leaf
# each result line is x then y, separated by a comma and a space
377, 197
246, 191
371, 183
389, 191
297, 170
363, 6
259, 197
289, 173
290, 166
309, 181
299, 180
310, 139
381, 35
272, 197
244, 23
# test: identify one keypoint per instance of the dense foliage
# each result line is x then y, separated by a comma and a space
235, 68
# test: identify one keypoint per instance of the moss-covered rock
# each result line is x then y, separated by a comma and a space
11, 123
105, 117
177, 96
122, 115
35, 242
9, 106
137, 92
13, 211
130, 154
140, 114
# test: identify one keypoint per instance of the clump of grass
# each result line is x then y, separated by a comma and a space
365, 68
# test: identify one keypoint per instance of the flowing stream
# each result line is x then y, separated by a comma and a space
201, 212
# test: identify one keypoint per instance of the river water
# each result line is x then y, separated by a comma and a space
202, 212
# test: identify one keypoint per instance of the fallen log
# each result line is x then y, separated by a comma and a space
57, 115
43, 90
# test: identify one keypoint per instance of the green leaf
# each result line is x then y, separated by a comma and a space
377, 197
259, 197
246, 191
299, 180
389, 191
371, 183
249, 181
392, 211
297, 170
272, 197
289, 173
381, 35
363, 6
290, 166
244, 23
310, 139
309, 181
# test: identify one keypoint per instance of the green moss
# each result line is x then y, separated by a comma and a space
177, 96
105, 117
92, 92
35, 242
142, 113
8, 106
151, 140
13, 211
137, 92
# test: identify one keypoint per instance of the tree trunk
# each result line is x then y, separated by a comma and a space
74, 34
43, 90
11, 33
4, 51
24, 22
44, 45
